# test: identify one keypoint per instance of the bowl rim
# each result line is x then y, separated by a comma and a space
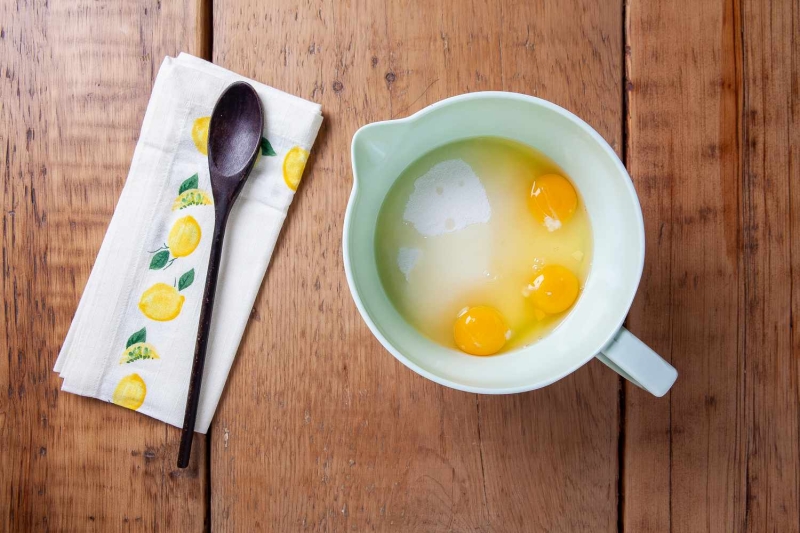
455, 100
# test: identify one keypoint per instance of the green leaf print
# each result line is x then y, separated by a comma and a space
186, 280
159, 260
139, 336
189, 183
266, 148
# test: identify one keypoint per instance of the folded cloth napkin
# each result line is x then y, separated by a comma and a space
132, 339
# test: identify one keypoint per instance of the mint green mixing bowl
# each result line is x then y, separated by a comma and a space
593, 328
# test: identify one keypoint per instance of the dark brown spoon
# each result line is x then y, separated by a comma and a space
234, 136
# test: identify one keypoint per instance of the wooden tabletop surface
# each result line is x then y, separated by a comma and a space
320, 429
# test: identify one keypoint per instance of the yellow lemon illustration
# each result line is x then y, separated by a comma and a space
184, 236
191, 197
140, 350
293, 165
161, 302
200, 134
130, 392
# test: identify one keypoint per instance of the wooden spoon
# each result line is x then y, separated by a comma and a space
234, 137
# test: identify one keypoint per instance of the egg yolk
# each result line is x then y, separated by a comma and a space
480, 330
553, 200
554, 289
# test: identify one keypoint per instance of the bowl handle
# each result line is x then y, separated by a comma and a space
635, 361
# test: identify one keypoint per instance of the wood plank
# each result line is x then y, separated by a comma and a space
347, 437
653, 149
712, 148
75, 78
712, 159
771, 180
337, 435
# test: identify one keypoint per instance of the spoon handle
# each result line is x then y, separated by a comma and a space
187, 433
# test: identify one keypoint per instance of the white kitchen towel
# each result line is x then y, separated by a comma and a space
132, 339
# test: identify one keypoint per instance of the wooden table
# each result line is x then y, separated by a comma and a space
320, 429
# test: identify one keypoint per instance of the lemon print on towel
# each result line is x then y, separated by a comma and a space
200, 134
137, 348
130, 392
163, 302
293, 165
182, 240
189, 195
184, 236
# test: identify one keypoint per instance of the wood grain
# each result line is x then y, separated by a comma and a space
771, 190
712, 122
646, 468
319, 428
75, 78
337, 435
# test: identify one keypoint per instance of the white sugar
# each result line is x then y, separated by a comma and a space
407, 259
447, 198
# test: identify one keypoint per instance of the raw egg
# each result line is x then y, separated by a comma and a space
553, 290
480, 330
553, 200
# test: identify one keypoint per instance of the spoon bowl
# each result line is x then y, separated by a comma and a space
235, 131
